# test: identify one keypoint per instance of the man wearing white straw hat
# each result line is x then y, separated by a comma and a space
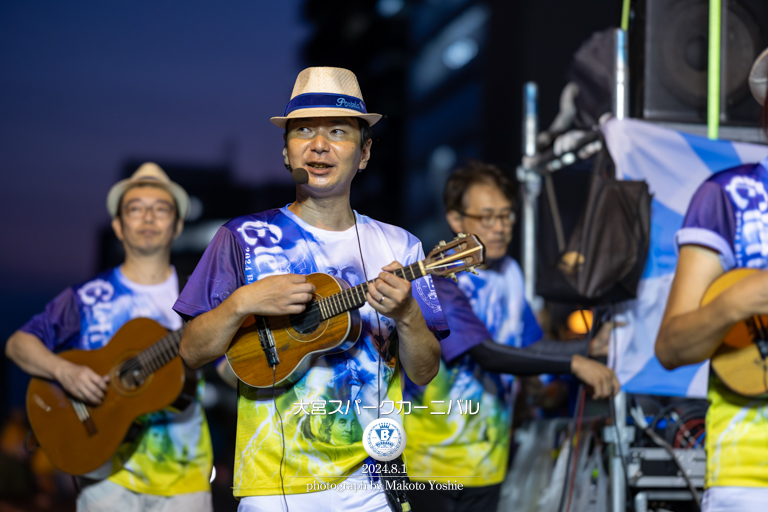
726, 227
256, 265
171, 464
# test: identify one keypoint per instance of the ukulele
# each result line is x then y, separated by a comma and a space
145, 375
741, 362
278, 350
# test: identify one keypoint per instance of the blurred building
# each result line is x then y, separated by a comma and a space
446, 103
370, 38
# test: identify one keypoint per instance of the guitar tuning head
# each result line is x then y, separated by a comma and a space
452, 275
441, 244
474, 271
461, 235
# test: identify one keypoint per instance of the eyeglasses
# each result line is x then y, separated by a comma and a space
137, 210
489, 220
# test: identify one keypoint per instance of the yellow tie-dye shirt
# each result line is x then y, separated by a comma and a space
173, 453
314, 435
172, 456
737, 438
727, 214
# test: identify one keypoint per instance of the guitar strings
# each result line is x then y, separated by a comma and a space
153, 357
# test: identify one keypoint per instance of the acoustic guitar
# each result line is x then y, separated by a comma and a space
146, 375
287, 345
741, 362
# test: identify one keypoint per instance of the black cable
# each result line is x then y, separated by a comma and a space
637, 414
30, 435
378, 321
661, 442
571, 439
398, 498
282, 437
662, 413
76, 483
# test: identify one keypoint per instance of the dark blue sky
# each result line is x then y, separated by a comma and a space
86, 85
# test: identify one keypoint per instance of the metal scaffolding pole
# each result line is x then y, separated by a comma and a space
531, 181
620, 445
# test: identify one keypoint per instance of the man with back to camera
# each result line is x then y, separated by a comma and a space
171, 465
725, 228
256, 265
490, 323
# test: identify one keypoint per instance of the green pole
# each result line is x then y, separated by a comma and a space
625, 16
713, 74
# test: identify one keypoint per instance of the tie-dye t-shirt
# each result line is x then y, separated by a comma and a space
469, 444
729, 214
173, 454
344, 386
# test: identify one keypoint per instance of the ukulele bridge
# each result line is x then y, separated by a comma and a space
268, 343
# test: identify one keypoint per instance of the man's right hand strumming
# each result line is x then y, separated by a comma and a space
32, 356
208, 336
285, 294
82, 382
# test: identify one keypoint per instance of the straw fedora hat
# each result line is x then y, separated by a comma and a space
326, 92
758, 77
148, 174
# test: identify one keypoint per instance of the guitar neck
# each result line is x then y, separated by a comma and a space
354, 298
159, 353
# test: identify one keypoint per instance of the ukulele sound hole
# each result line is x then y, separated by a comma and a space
308, 321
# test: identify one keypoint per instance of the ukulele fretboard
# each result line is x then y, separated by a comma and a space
353, 298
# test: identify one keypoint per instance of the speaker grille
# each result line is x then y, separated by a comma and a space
676, 58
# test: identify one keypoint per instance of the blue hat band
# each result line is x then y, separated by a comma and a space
325, 100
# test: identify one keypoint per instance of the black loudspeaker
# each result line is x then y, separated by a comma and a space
674, 38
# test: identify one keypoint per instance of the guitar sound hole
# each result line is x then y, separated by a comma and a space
308, 321
131, 374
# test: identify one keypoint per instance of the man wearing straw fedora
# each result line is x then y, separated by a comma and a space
726, 227
256, 264
171, 464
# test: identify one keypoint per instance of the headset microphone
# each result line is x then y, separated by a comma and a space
300, 176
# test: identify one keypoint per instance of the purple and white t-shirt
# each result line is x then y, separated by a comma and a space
174, 453
464, 434
327, 445
86, 316
729, 214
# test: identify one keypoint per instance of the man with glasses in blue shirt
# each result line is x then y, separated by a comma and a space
464, 440
171, 465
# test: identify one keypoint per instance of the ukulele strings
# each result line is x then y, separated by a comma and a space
758, 320
350, 298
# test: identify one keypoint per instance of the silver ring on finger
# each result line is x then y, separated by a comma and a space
381, 300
